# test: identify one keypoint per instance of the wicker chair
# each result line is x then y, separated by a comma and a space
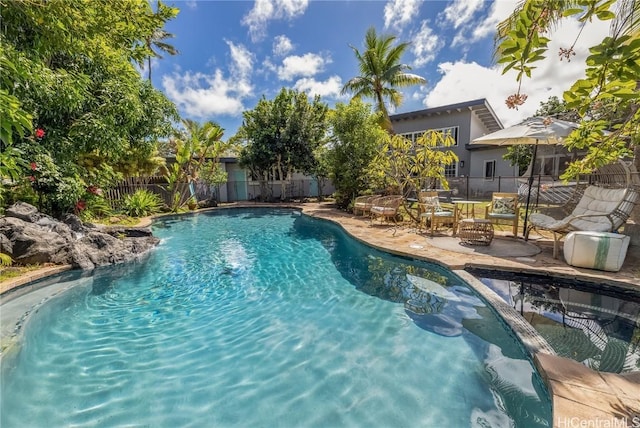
591, 208
386, 207
363, 204
432, 213
504, 209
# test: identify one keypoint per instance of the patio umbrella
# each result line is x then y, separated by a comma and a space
534, 131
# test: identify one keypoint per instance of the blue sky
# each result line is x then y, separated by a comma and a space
234, 52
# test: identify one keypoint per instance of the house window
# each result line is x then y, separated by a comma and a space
451, 170
489, 169
452, 131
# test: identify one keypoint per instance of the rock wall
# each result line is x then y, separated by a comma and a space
29, 236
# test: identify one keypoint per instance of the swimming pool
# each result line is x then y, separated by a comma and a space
267, 317
595, 324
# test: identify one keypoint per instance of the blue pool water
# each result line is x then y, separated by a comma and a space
254, 318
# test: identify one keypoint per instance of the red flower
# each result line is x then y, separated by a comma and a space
32, 178
94, 190
81, 205
40, 133
33, 166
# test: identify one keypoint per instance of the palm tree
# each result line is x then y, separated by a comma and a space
159, 35
381, 73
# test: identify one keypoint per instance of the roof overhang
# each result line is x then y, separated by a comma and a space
480, 108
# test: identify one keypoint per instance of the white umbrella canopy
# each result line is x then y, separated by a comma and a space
533, 131
536, 130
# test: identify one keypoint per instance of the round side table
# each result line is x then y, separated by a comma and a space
475, 231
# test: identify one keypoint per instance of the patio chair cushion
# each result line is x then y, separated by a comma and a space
504, 205
383, 210
505, 216
438, 214
431, 202
597, 200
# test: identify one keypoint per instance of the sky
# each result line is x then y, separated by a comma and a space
232, 53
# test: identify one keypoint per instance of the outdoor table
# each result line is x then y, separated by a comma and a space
460, 207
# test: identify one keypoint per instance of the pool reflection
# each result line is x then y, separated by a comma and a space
597, 327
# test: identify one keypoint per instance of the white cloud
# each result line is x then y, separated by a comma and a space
426, 45
328, 88
463, 81
461, 11
191, 4
306, 65
282, 45
397, 13
242, 59
201, 95
265, 10
500, 10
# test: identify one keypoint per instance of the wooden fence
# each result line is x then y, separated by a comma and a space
154, 184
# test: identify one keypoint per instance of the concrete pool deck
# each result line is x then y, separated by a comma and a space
580, 396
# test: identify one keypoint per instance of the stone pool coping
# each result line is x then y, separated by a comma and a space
580, 396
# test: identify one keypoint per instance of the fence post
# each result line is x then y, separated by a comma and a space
466, 195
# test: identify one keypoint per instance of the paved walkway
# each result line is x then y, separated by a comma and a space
581, 396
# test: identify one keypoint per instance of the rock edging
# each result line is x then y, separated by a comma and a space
29, 236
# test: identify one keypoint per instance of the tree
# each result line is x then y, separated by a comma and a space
356, 138
412, 166
156, 38
281, 136
612, 71
70, 66
194, 146
381, 73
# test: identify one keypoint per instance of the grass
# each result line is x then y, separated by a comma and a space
15, 271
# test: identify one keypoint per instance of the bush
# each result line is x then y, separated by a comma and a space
141, 203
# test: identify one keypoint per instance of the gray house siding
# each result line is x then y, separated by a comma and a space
472, 119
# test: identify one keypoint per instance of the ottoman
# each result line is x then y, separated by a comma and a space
596, 250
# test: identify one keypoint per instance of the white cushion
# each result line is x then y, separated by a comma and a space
596, 250
597, 200
383, 210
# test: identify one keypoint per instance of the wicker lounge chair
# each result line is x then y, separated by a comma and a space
591, 208
386, 207
363, 204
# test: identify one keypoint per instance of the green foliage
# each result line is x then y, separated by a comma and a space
410, 167
194, 146
5, 260
213, 174
156, 39
381, 72
97, 207
356, 139
69, 65
141, 203
281, 135
611, 74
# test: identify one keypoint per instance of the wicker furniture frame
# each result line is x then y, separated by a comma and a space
475, 231
616, 216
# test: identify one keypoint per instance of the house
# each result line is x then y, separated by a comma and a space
481, 169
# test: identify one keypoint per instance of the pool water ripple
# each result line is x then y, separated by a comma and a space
268, 318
